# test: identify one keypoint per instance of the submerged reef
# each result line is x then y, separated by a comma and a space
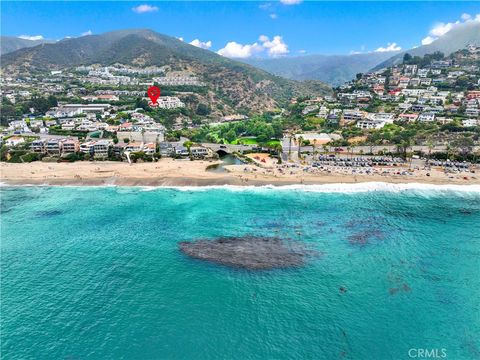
249, 252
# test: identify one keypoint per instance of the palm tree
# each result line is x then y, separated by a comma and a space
278, 149
448, 148
430, 146
188, 145
300, 143
349, 151
290, 138
404, 145
455, 152
476, 155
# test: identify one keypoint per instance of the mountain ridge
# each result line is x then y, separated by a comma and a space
12, 43
456, 39
332, 69
230, 79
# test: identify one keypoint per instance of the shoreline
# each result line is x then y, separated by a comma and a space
175, 173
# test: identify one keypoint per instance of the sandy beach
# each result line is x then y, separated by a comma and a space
169, 172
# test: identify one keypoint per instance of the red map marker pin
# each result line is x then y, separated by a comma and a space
153, 93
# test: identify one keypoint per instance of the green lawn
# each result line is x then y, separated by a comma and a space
247, 141
254, 141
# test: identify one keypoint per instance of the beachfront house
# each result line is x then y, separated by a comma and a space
38, 146
14, 141
181, 151
100, 149
87, 147
53, 147
134, 147
149, 148
70, 146
200, 152
166, 149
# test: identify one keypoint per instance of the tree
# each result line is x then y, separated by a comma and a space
126, 140
188, 145
464, 145
230, 135
141, 103
349, 150
430, 147
278, 149
406, 58
41, 104
203, 109
52, 101
277, 127
300, 143
7, 111
290, 138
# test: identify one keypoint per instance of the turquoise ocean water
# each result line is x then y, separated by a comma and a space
95, 272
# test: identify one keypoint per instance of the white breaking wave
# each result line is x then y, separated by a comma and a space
329, 188
321, 188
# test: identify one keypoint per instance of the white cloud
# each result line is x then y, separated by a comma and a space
236, 50
201, 44
31, 37
180, 38
291, 2
86, 33
140, 9
273, 16
263, 38
276, 47
428, 40
440, 29
390, 47
361, 51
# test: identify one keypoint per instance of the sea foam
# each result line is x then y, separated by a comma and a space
319, 188
330, 188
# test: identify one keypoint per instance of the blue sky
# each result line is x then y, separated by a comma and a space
250, 28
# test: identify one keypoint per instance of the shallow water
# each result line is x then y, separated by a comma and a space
226, 160
96, 273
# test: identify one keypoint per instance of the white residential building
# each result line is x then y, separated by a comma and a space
427, 117
169, 102
14, 141
471, 122
384, 117
370, 124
